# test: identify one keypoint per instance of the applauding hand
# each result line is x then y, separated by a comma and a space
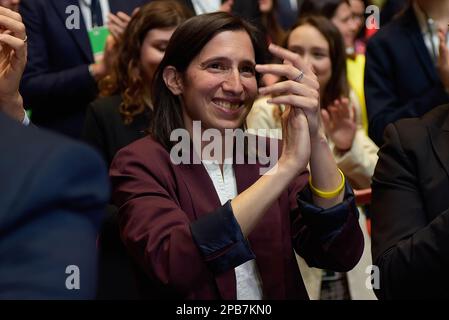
339, 121
13, 57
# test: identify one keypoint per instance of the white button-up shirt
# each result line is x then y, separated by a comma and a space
249, 284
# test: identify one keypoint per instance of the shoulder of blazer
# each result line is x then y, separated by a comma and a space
397, 29
413, 133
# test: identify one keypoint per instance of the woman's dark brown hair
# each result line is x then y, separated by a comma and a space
185, 44
128, 77
338, 83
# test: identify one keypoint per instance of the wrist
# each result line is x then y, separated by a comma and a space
289, 168
13, 106
97, 71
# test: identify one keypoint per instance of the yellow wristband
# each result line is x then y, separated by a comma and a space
328, 194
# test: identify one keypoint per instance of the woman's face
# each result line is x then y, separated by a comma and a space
219, 85
265, 6
344, 21
153, 49
313, 47
358, 12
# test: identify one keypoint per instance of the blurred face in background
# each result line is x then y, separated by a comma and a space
313, 47
265, 6
153, 49
10, 4
344, 21
358, 13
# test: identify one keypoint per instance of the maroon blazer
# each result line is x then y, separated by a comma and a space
159, 202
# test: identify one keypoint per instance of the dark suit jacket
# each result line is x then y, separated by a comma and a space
105, 130
401, 80
173, 224
57, 84
410, 206
53, 192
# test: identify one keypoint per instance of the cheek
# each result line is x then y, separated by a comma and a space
151, 57
323, 71
250, 86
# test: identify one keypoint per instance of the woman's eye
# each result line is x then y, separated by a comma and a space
248, 70
319, 55
216, 66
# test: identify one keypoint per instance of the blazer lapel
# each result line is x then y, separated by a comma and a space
414, 32
266, 238
79, 35
440, 143
205, 200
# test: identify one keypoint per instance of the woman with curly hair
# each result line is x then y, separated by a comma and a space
123, 112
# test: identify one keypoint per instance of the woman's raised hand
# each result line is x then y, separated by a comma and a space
300, 93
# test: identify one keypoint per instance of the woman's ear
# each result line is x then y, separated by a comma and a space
173, 81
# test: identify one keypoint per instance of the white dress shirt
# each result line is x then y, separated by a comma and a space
85, 10
202, 6
429, 30
249, 284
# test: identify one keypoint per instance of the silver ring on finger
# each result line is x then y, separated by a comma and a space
299, 77
26, 39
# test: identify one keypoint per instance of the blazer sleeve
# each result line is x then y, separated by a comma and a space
411, 253
359, 162
62, 202
40, 84
326, 238
159, 234
381, 85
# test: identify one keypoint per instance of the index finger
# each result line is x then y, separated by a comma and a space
290, 56
12, 24
10, 14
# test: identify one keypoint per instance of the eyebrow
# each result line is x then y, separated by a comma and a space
221, 58
313, 48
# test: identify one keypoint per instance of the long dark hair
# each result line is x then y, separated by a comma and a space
325, 8
338, 83
128, 75
186, 43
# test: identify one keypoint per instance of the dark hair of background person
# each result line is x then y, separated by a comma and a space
186, 43
338, 84
270, 23
128, 76
325, 8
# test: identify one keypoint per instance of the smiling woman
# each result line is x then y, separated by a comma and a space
234, 229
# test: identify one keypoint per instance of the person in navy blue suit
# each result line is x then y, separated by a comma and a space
404, 77
53, 193
61, 78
